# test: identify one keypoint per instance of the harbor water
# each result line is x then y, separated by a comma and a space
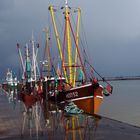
46, 121
124, 103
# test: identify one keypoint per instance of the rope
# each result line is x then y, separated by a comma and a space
98, 74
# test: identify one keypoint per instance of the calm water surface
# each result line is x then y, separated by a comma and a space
124, 103
44, 120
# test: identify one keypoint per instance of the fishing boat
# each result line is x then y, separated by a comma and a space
30, 85
74, 81
10, 81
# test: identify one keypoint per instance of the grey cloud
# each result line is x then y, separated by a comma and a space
6, 5
112, 29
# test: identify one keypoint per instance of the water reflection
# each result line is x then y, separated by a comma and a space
59, 125
46, 120
80, 127
12, 95
32, 120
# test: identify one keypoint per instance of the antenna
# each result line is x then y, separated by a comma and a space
66, 2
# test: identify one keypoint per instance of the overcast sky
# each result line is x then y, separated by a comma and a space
112, 29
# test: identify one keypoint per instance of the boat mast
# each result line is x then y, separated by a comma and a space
77, 43
33, 59
58, 41
36, 63
47, 56
27, 64
71, 65
68, 42
22, 62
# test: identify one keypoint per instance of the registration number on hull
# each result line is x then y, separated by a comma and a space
72, 95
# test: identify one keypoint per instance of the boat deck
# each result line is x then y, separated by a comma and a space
61, 126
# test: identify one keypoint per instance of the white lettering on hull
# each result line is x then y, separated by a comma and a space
72, 95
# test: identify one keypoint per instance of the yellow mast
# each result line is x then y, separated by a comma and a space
58, 41
68, 44
77, 43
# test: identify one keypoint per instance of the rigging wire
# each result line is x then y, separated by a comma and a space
81, 44
99, 74
87, 57
82, 39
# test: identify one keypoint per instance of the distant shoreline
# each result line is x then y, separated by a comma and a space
118, 78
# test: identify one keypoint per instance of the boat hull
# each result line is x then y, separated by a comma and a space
87, 97
28, 100
90, 105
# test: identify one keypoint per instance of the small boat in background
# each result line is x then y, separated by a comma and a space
10, 81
